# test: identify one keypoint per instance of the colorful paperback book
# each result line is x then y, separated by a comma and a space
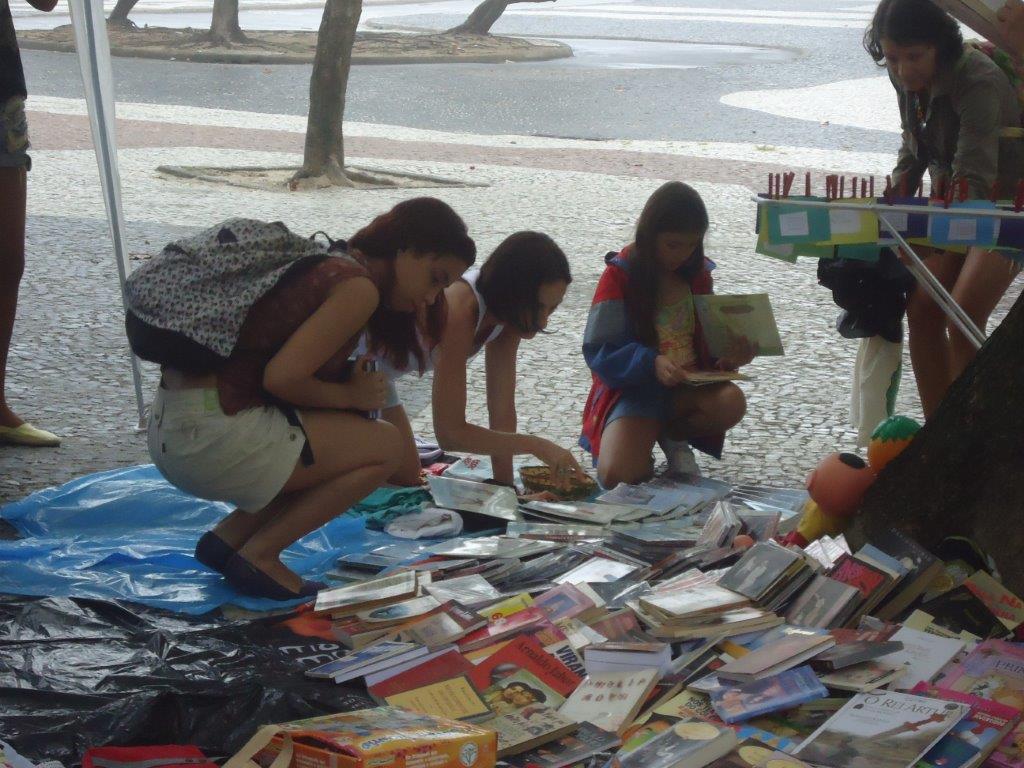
417, 673
737, 703
975, 737
882, 730
529, 620
520, 690
507, 607
735, 322
528, 728
455, 698
993, 670
525, 653
1001, 601
753, 753
871, 581
686, 744
800, 722
576, 748
611, 700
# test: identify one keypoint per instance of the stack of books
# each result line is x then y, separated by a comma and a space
629, 631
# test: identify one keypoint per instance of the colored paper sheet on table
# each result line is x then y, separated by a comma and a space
793, 224
948, 229
783, 252
849, 227
909, 225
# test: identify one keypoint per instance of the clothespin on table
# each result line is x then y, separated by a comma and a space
771, 179
962, 190
1018, 199
787, 183
807, 184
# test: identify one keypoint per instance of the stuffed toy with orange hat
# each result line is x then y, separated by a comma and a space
889, 440
836, 487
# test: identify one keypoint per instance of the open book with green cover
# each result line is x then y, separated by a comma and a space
729, 321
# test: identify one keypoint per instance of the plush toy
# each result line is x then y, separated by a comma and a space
836, 487
889, 440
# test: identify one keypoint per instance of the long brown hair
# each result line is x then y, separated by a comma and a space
513, 274
674, 207
425, 225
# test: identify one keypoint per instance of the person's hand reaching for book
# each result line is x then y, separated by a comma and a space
1011, 24
563, 465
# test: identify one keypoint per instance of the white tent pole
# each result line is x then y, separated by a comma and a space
97, 76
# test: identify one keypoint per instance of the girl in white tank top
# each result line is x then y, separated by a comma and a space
491, 309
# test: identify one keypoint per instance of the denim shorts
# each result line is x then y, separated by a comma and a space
244, 459
14, 135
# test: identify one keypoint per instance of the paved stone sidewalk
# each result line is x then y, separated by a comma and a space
69, 370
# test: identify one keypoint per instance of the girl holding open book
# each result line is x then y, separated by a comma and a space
956, 104
643, 341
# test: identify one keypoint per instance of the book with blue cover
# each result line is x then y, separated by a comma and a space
736, 703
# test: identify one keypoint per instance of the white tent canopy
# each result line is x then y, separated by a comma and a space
94, 57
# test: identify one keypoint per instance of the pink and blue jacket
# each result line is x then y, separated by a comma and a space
618, 361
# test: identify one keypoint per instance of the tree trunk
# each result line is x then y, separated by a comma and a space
324, 155
962, 474
224, 26
119, 16
483, 17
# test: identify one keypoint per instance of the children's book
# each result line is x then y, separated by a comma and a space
518, 690
993, 670
611, 700
975, 737
528, 729
737, 703
383, 736
576, 748
731, 322
882, 730
686, 744
525, 653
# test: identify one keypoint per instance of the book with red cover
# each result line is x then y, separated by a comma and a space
873, 583
527, 654
447, 665
531, 619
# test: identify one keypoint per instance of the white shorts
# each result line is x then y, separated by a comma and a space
244, 459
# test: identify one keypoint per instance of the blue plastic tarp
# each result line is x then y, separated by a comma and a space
128, 534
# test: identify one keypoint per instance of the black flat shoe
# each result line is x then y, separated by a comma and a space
250, 580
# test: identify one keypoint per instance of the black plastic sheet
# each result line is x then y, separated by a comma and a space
76, 674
